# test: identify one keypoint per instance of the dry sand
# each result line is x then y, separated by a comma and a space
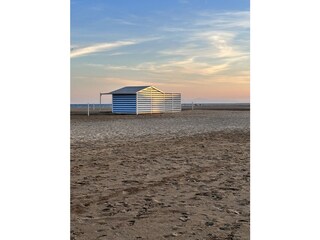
168, 176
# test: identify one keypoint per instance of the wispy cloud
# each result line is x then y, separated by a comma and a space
209, 44
118, 53
185, 67
208, 52
119, 21
124, 22
107, 46
101, 47
220, 44
224, 20
201, 53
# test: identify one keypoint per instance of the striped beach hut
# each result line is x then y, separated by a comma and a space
143, 100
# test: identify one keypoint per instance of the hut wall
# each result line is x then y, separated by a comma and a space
124, 103
151, 100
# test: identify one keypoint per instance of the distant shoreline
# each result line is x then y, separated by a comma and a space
107, 108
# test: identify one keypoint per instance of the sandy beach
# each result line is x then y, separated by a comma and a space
162, 176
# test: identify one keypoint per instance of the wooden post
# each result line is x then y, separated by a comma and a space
172, 102
151, 99
88, 110
137, 104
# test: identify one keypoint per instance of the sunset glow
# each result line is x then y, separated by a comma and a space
197, 47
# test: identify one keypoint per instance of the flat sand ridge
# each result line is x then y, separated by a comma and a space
190, 181
84, 128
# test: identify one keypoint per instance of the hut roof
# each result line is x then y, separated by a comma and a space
131, 90
128, 90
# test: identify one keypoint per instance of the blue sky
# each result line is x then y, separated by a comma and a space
197, 47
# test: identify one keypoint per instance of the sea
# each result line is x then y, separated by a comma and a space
183, 105
91, 106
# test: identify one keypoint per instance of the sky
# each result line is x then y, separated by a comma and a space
200, 48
